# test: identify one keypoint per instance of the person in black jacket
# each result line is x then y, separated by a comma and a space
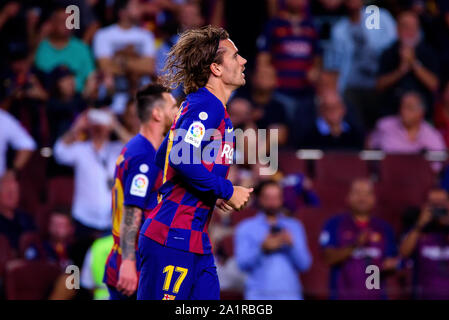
331, 131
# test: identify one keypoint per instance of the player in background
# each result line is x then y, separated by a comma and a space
174, 243
133, 195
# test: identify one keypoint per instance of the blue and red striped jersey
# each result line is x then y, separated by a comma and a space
195, 157
293, 49
135, 182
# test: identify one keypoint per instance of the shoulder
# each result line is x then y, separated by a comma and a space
382, 224
336, 220
247, 224
389, 122
205, 103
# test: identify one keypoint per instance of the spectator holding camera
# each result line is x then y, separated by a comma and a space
271, 248
94, 164
427, 244
353, 241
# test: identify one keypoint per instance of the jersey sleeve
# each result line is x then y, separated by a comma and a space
328, 236
192, 139
139, 180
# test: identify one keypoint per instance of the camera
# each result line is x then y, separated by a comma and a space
438, 212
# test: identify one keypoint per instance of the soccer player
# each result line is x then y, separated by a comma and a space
133, 195
174, 244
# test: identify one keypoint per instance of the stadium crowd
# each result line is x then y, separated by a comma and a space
316, 72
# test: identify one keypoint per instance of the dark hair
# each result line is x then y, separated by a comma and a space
61, 210
189, 60
146, 99
262, 185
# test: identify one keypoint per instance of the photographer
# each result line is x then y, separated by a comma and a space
427, 244
271, 248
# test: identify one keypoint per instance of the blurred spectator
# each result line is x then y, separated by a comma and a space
290, 43
13, 222
12, 133
330, 130
266, 110
92, 271
189, 16
408, 65
271, 248
94, 163
130, 119
440, 38
298, 192
88, 22
427, 243
407, 132
353, 241
125, 51
441, 116
22, 94
61, 233
65, 103
354, 54
61, 48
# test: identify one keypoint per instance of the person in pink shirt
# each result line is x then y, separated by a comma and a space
406, 132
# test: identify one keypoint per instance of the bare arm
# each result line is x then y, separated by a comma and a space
334, 256
140, 66
389, 79
21, 158
427, 77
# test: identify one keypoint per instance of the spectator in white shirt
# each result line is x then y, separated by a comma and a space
125, 51
94, 163
13, 134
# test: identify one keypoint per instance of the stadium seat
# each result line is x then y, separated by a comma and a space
237, 217
32, 181
290, 163
6, 253
340, 168
31, 246
403, 170
30, 280
60, 191
315, 281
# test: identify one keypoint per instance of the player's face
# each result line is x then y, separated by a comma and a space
170, 109
233, 65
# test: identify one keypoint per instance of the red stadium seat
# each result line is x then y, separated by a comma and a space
315, 281
239, 216
32, 180
31, 246
30, 280
290, 163
403, 170
6, 253
60, 191
340, 168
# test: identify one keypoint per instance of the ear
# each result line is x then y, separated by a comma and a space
215, 68
156, 114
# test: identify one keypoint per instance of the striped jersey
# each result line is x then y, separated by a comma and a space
195, 157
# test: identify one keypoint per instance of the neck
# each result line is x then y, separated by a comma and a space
153, 132
354, 16
219, 90
336, 129
59, 42
361, 216
125, 24
295, 15
7, 213
98, 143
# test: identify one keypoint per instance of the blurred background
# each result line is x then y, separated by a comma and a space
363, 121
